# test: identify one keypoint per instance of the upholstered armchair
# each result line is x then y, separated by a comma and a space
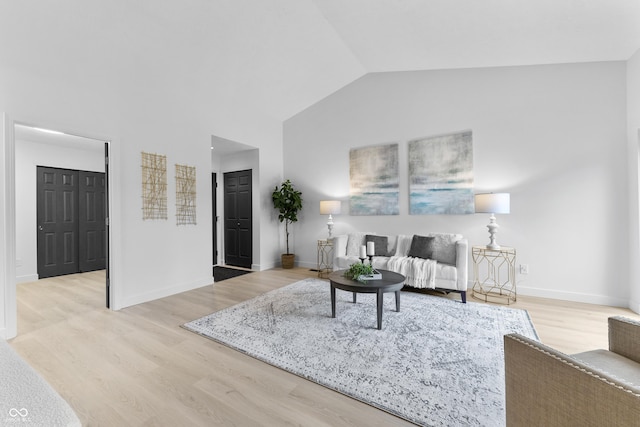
545, 387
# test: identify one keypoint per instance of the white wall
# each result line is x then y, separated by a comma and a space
30, 155
553, 136
633, 135
138, 106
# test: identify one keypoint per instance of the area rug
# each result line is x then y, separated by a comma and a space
436, 362
224, 273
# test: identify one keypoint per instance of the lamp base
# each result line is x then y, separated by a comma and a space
330, 225
493, 230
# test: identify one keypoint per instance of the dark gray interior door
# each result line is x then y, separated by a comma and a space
238, 218
71, 210
92, 224
57, 205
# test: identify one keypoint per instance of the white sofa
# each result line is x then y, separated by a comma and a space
450, 251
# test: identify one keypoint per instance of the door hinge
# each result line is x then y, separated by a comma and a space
106, 221
106, 160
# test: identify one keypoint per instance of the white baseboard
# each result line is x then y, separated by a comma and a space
261, 267
165, 292
573, 296
27, 278
310, 265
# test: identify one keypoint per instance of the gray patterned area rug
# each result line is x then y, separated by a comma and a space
436, 362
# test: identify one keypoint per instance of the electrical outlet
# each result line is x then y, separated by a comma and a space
524, 268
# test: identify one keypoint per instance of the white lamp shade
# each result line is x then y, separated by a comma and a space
495, 203
330, 207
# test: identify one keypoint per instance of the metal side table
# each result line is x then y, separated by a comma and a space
494, 273
325, 257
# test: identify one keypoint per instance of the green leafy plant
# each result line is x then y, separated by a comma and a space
358, 269
288, 201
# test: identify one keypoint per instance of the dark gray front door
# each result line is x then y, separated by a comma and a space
238, 218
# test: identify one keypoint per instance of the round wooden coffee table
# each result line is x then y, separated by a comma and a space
390, 282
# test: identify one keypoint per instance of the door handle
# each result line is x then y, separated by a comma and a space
238, 224
40, 228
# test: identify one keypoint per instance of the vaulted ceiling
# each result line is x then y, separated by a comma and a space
281, 56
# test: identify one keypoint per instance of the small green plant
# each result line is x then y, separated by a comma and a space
358, 269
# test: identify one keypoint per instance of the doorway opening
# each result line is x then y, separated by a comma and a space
77, 167
233, 246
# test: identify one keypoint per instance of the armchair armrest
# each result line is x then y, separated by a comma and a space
462, 262
339, 247
624, 337
545, 387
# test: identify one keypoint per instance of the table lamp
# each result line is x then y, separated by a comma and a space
493, 203
330, 207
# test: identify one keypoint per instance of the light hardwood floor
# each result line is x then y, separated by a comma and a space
138, 367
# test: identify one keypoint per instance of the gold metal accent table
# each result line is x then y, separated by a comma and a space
494, 272
325, 257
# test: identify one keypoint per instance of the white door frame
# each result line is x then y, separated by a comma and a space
8, 302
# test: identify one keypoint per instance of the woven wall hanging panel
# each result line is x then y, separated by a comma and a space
154, 186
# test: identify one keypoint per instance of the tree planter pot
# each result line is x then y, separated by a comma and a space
287, 260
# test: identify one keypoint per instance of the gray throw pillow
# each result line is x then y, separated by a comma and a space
421, 247
380, 244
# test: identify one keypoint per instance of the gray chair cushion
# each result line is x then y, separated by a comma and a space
619, 367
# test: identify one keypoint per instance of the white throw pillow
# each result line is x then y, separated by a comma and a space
354, 242
403, 245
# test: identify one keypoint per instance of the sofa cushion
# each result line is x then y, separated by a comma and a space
422, 247
447, 272
380, 262
380, 244
344, 262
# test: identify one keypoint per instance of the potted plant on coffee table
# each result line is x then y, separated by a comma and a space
288, 201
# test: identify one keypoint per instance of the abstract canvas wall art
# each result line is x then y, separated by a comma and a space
374, 182
185, 194
154, 186
441, 175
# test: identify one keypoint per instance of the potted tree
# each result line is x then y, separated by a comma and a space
288, 201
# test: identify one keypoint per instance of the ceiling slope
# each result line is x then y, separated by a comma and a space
278, 57
392, 35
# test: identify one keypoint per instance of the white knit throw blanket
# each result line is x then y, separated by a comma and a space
419, 273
